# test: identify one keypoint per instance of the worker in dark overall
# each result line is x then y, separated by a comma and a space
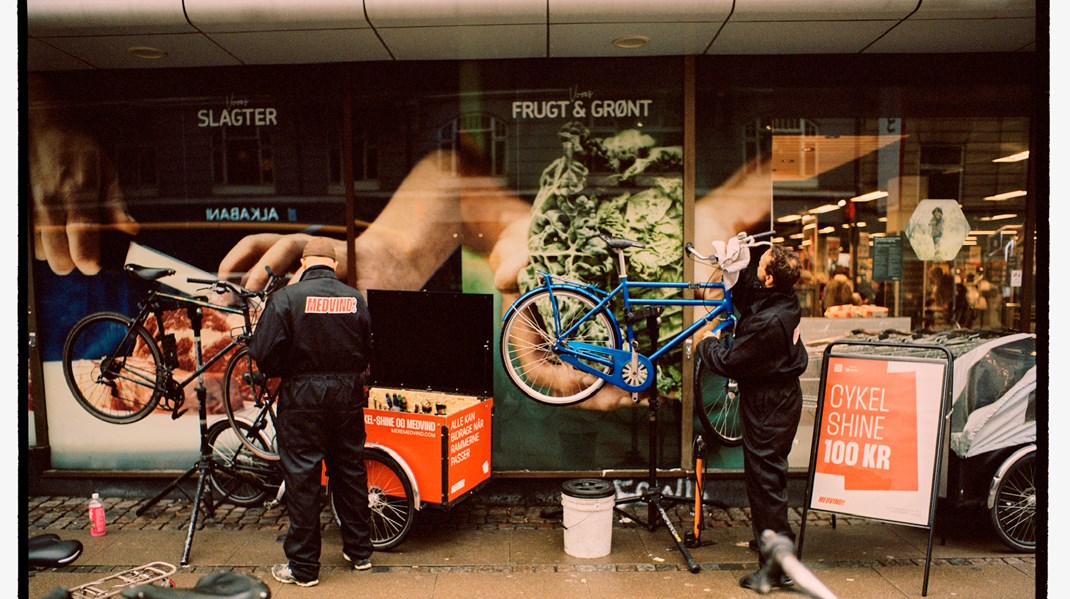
315, 335
766, 357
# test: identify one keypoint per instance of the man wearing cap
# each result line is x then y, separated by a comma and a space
315, 335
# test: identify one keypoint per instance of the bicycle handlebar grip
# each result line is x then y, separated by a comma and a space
760, 235
202, 281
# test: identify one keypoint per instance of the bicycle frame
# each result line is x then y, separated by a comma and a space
571, 352
156, 303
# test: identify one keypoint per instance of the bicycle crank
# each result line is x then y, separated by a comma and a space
629, 372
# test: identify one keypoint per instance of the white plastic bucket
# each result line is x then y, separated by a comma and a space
588, 517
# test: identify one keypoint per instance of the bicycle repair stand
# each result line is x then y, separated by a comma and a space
205, 465
693, 538
653, 497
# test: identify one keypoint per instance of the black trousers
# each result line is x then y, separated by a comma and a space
323, 423
770, 416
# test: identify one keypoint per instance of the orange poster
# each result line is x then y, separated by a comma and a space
876, 440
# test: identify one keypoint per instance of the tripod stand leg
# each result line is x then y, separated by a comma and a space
203, 494
692, 565
171, 487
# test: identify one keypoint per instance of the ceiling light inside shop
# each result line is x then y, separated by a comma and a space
777, 240
805, 242
969, 242
827, 230
882, 219
845, 226
823, 209
1014, 157
878, 234
982, 232
861, 224
789, 218
795, 236
998, 217
631, 42
146, 52
808, 226
1006, 196
869, 197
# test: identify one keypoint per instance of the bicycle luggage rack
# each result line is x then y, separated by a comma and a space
112, 585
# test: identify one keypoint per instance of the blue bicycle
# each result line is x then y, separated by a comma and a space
561, 342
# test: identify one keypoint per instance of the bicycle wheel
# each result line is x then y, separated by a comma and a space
390, 499
238, 476
113, 367
249, 399
1014, 511
527, 340
717, 405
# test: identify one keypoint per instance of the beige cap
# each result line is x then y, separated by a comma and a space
319, 246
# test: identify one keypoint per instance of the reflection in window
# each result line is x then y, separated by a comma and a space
242, 156
365, 155
479, 132
136, 165
871, 179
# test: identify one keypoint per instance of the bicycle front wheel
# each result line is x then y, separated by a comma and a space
527, 340
113, 367
249, 401
238, 476
390, 497
717, 405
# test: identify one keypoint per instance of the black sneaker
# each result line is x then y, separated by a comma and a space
754, 582
360, 564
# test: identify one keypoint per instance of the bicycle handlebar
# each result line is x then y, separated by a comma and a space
744, 239
222, 286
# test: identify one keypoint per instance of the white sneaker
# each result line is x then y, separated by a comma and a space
283, 574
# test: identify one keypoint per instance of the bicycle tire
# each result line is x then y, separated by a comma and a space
238, 476
390, 498
249, 399
715, 408
1014, 511
130, 387
526, 344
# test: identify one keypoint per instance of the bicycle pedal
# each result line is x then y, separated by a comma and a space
175, 415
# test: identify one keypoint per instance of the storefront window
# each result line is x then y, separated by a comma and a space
957, 213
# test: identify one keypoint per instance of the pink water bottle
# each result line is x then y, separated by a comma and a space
97, 527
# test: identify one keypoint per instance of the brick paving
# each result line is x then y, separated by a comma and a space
479, 512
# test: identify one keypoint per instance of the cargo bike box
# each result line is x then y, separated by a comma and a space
429, 396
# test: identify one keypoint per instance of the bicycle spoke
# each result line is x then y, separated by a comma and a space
528, 342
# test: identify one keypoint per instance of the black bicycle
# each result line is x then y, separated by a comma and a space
120, 372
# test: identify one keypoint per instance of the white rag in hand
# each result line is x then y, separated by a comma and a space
733, 257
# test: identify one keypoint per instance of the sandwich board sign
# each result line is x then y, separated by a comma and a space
879, 427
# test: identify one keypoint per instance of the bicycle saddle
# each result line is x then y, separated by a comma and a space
147, 273
50, 551
220, 585
619, 244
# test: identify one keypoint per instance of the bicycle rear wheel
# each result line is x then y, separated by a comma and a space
249, 401
717, 405
113, 367
1014, 512
527, 339
238, 476
390, 498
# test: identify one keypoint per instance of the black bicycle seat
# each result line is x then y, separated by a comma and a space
50, 551
619, 244
220, 585
148, 273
